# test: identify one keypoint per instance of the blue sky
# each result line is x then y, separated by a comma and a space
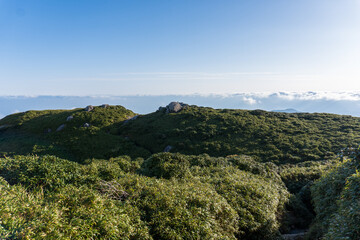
88, 47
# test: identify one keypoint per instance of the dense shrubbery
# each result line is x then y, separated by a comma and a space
181, 209
296, 176
207, 198
336, 201
254, 190
70, 212
222, 195
268, 136
35, 132
276, 137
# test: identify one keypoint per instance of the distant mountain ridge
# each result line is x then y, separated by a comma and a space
288, 110
345, 103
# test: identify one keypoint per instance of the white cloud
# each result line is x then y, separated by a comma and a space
336, 96
250, 100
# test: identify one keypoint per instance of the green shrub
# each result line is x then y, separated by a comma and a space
257, 195
344, 224
71, 213
328, 194
47, 172
296, 176
176, 209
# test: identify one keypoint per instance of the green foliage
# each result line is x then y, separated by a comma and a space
176, 209
298, 179
70, 213
345, 222
267, 136
270, 136
336, 202
106, 190
296, 176
253, 189
35, 132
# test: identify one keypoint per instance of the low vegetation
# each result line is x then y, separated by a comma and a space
336, 202
231, 174
211, 198
266, 136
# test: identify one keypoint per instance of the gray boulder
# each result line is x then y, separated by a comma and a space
105, 106
131, 118
168, 148
175, 107
86, 125
61, 127
5, 126
69, 118
89, 108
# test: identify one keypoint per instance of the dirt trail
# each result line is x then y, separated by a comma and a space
294, 236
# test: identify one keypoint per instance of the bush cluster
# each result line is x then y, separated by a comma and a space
336, 201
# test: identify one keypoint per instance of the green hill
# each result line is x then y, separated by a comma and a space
102, 173
267, 136
84, 134
270, 136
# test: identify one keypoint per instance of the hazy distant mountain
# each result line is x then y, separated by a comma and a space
288, 110
339, 103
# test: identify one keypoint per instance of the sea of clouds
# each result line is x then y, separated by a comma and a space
347, 103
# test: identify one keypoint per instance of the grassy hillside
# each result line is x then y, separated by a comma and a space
108, 177
270, 136
85, 135
267, 136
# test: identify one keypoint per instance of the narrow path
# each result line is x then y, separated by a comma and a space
294, 236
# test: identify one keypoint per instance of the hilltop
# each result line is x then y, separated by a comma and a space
225, 174
114, 130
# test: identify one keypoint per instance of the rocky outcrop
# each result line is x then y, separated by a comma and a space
130, 119
61, 127
89, 108
175, 107
5, 126
69, 118
86, 125
168, 148
105, 106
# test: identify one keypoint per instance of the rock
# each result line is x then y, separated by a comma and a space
161, 109
60, 128
175, 107
69, 118
105, 106
168, 148
48, 130
86, 125
5, 126
89, 108
131, 118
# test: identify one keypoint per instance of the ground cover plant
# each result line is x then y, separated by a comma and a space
230, 174
266, 136
48, 197
336, 201
270, 136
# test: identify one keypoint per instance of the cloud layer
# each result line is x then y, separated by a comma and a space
332, 102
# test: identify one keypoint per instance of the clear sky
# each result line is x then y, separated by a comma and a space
88, 47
